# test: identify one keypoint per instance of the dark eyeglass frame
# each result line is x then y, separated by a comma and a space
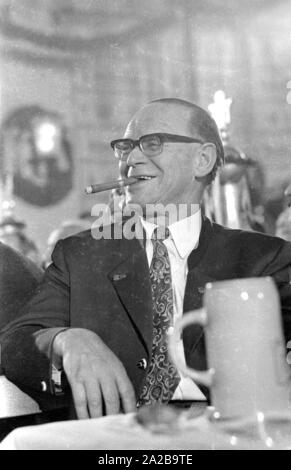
170, 138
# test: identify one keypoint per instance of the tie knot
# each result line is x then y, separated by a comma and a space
160, 233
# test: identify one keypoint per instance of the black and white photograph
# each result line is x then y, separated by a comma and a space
145, 227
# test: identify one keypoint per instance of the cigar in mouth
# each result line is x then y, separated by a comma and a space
98, 188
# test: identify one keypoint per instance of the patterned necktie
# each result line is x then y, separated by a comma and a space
162, 377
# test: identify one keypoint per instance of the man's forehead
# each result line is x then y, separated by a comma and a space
160, 117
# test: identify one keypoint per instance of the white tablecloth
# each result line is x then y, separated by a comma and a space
108, 433
123, 432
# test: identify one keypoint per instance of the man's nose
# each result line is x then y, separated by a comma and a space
136, 157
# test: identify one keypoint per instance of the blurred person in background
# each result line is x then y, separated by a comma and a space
12, 233
19, 278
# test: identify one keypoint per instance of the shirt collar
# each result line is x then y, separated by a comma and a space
185, 233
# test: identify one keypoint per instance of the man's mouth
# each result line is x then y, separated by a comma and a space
140, 180
144, 177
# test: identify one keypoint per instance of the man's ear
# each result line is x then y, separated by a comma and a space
205, 159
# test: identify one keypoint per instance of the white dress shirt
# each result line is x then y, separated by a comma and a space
184, 238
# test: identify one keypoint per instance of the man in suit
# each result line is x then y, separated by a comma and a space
95, 316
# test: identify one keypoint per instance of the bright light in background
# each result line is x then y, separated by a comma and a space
46, 136
220, 109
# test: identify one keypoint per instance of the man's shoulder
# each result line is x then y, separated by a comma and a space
249, 240
83, 239
101, 239
80, 237
246, 253
246, 234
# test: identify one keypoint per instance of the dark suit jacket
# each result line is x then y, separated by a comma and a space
104, 285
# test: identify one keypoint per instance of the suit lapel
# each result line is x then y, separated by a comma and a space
131, 282
195, 286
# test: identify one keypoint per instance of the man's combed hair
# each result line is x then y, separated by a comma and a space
203, 126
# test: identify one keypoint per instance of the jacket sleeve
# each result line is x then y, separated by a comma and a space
26, 342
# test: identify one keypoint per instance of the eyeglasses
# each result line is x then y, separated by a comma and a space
151, 145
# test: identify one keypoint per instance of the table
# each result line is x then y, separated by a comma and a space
123, 432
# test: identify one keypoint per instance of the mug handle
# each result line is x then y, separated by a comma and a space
195, 316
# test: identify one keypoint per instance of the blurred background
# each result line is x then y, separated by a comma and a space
72, 72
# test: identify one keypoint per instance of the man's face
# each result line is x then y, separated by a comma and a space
171, 172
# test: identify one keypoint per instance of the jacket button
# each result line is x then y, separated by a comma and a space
142, 364
43, 386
